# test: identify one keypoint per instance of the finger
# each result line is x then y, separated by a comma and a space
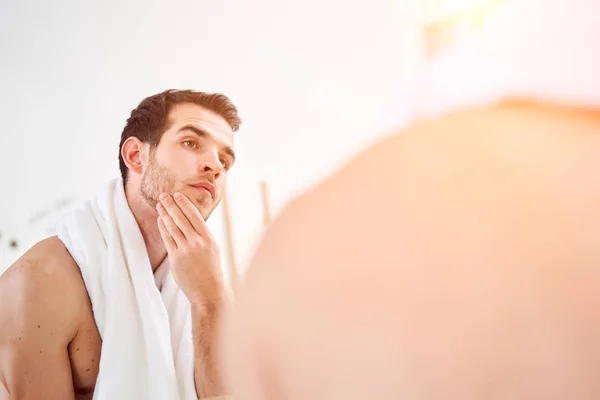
172, 228
192, 214
177, 215
166, 237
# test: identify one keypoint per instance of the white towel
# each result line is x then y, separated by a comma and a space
147, 348
543, 50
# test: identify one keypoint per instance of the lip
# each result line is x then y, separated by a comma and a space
206, 186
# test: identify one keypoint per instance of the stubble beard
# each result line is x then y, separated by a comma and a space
157, 179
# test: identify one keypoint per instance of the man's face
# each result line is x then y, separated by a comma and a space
192, 157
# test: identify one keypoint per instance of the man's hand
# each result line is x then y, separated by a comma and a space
196, 266
193, 252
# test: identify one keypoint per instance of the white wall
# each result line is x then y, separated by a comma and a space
314, 80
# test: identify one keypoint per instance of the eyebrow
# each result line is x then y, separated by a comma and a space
204, 134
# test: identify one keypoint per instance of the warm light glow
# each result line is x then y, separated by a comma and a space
476, 11
447, 21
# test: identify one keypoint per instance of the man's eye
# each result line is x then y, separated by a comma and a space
189, 143
225, 164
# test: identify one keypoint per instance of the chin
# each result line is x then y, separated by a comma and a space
204, 211
202, 203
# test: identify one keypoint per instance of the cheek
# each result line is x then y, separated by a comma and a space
178, 162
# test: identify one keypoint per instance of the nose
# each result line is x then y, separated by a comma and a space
211, 163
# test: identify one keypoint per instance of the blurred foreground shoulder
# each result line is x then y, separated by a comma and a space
409, 221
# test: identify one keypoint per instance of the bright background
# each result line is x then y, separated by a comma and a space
315, 81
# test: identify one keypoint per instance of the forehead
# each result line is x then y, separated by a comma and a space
192, 114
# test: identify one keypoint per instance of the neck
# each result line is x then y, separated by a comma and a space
146, 217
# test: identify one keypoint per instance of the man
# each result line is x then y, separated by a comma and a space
458, 259
175, 153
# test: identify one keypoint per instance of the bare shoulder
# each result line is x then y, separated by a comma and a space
445, 210
47, 267
42, 300
467, 177
43, 286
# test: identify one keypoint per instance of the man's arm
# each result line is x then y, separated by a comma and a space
196, 267
205, 318
38, 319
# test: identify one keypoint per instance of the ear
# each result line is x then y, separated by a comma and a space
134, 154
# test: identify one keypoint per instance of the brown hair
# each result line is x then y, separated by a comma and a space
149, 119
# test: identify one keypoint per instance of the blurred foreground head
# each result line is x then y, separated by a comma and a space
475, 275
